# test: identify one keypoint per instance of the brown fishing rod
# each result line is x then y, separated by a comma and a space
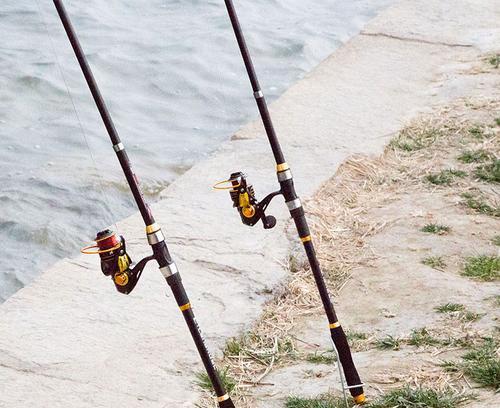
251, 211
115, 261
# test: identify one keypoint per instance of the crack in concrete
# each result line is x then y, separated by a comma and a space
219, 267
415, 40
32, 371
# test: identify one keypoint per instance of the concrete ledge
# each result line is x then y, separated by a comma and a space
69, 340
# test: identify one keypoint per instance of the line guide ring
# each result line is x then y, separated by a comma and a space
221, 183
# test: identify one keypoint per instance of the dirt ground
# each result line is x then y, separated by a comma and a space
396, 236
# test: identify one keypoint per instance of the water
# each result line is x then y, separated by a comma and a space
176, 87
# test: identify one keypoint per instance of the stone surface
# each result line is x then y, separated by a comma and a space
69, 340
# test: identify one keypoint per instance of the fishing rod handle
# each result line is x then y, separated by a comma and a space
174, 280
336, 331
285, 178
170, 272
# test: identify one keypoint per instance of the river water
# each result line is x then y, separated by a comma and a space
171, 73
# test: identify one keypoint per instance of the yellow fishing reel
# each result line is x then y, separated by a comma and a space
115, 261
243, 196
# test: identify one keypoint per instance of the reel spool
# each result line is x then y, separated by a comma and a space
115, 261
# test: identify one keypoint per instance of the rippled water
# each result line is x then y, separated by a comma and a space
176, 87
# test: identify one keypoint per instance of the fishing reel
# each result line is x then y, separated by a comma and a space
115, 261
243, 196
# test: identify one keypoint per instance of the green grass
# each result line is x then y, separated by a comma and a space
469, 316
482, 364
478, 204
450, 308
477, 132
436, 229
295, 264
496, 240
496, 300
234, 347
203, 381
323, 401
435, 262
243, 345
494, 61
459, 311
353, 335
356, 340
474, 156
286, 346
405, 397
483, 267
421, 337
489, 172
413, 139
445, 177
497, 121
388, 343
450, 366
419, 397
325, 357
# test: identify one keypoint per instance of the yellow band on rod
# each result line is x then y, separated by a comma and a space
282, 167
185, 307
334, 325
152, 228
223, 398
306, 239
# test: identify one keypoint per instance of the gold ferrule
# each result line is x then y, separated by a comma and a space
152, 228
306, 239
282, 167
334, 325
185, 307
223, 398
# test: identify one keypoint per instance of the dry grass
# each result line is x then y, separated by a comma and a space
340, 229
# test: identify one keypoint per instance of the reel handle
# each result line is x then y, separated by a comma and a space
269, 221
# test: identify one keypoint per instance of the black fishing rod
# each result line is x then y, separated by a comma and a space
252, 211
115, 261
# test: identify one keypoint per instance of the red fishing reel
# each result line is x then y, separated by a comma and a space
243, 196
115, 261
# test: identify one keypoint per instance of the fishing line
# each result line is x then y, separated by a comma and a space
99, 183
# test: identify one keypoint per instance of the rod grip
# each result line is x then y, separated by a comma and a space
226, 404
351, 374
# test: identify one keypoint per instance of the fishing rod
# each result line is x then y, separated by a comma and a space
115, 261
252, 211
